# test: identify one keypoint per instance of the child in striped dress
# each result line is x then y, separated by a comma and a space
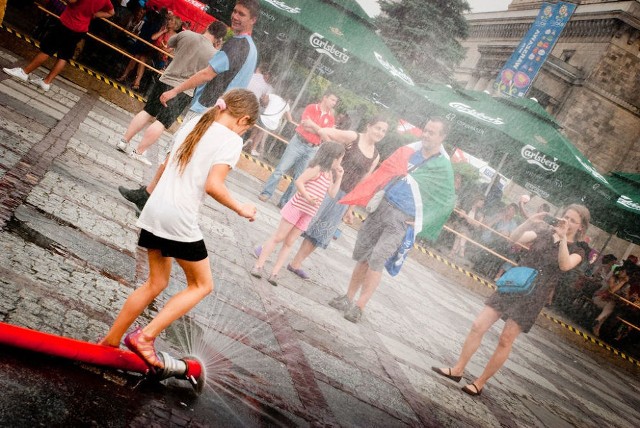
322, 176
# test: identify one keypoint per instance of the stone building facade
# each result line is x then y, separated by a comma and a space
591, 81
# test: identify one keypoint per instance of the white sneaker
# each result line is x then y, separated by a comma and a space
39, 81
255, 153
122, 145
17, 72
139, 157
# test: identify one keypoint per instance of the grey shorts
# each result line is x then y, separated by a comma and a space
380, 236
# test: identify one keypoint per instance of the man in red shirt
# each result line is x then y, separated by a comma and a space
62, 39
302, 147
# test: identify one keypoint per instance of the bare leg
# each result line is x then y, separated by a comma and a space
270, 244
306, 248
357, 279
57, 68
159, 270
36, 62
463, 243
127, 70
137, 123
140, 72
371, 282
150, 136
199, 285
509, 334
455, 247
258, 139
152, 185
480, 325
291, 238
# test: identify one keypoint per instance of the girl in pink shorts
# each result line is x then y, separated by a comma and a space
322, 176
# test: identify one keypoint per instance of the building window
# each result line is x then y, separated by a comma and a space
567, 54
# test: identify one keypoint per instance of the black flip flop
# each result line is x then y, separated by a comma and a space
447, 375
467, 389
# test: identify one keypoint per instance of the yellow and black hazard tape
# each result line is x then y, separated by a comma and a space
79, 66
270, 168
593, 340
264, 165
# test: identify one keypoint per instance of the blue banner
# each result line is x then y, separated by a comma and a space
518, 73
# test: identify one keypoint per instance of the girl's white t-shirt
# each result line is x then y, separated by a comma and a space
173, 207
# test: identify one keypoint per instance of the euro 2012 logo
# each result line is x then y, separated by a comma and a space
547, 12
513, 82
563, 12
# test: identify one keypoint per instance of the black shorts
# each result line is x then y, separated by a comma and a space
189, 251
60, 40
165, 115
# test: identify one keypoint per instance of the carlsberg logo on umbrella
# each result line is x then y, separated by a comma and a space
463, 108
629, 203
393, 70
322, 46
534, 156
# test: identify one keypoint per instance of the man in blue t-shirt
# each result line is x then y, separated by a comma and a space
231, 67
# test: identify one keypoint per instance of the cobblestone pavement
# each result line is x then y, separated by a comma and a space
275, 355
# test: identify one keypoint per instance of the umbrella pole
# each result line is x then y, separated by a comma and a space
306, 82
496, 176
606, 243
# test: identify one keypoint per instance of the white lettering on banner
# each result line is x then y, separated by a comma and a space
534, 156
393, 70
629, 203
535, 189
283, 6
526, 49
463, 108
323, 46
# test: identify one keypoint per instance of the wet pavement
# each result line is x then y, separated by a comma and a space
274, 355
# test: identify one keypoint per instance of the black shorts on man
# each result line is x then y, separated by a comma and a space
60, 40
166, 115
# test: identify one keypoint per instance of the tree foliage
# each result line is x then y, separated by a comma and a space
424, 35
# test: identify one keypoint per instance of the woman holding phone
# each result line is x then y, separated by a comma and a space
552, 250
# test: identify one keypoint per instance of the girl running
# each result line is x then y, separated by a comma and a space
205, 150
312, 186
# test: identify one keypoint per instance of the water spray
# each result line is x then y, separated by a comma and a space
188, 368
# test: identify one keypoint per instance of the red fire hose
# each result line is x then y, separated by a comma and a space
99, 355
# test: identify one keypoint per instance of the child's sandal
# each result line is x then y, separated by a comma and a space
142, 345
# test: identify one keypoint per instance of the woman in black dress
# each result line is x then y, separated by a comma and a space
552, 251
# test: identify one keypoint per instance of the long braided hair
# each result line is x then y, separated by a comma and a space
236, 102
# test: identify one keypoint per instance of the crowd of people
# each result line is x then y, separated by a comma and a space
408, 196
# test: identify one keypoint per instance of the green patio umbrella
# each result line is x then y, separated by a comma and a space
531, 150
626, 210
338, 31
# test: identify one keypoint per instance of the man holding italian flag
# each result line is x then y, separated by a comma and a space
418, 199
